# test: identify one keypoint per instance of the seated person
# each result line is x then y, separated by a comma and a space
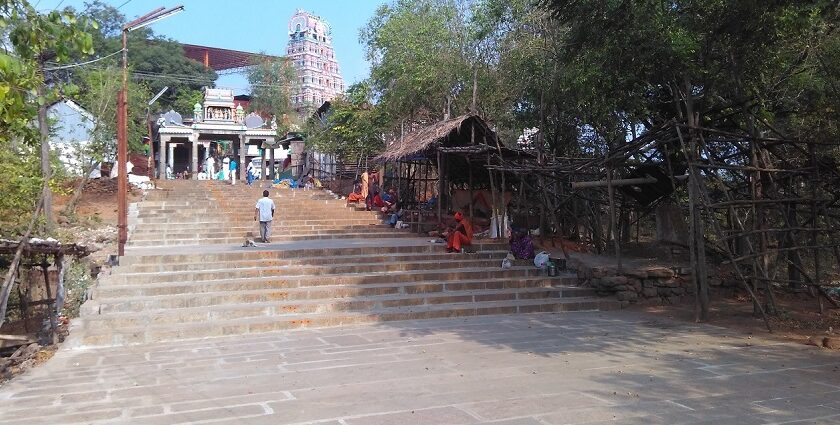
390, 201
310, 183
429, 204
461, 235
521, 245
395, 216
375, 201
444, 226
356, 195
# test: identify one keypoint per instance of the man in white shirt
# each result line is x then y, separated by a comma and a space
210, 167
264, 212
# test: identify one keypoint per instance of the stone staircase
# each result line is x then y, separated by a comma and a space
214, 213
185, 275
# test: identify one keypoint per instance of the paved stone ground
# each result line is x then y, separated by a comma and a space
573, 368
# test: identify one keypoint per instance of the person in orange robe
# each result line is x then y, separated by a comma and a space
356, 195
462, 235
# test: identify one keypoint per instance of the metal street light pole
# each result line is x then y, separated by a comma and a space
122, 121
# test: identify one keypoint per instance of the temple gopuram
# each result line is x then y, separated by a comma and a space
217, 129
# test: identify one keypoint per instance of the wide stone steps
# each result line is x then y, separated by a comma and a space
116, 316
210, 221
276, 236
216, 327
483, 290
280, 231
329, 264
248, 215
301, 270
113, 293
371, 247
239, 262
232, 226
289, 207
369, 275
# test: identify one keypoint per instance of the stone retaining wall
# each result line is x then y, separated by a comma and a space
643, 283
636, 283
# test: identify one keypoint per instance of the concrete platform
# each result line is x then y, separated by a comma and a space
571, 368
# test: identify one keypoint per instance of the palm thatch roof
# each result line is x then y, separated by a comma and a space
450, 133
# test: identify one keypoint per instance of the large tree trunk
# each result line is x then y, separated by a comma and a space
46, 169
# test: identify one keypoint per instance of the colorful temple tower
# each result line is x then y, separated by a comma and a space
310, 49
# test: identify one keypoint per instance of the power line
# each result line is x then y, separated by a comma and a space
73, 65
125, 3
155, 76
187, 78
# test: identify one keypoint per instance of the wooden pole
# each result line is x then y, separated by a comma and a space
46, 167
492, 193
440, 188
615, 238
720, 234
502, 204
814, 224
469, 166
6, 289
45, 268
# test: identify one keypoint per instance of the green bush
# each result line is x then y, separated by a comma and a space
77, 280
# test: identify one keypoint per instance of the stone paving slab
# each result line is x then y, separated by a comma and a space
534, 369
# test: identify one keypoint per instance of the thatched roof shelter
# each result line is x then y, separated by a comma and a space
462, 146
452, 133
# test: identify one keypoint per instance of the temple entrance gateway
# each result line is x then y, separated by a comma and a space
186, 144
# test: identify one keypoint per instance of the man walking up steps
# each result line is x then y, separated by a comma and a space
264, 212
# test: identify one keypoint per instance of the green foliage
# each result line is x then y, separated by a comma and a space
34, 42
419, 52
20, 184
353, 126
633, 59
272, 84
186, 100
155, 61
97, 96
77, 280
587, 72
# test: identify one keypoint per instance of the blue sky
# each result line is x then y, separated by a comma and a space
253, 25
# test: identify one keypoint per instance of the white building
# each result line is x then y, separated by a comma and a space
71, 134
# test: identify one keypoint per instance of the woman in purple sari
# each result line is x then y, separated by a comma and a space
521, 245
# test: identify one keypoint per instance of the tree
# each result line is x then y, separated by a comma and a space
97, 97
352, 126
273, 82
154, 60
37, 40
420, 53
